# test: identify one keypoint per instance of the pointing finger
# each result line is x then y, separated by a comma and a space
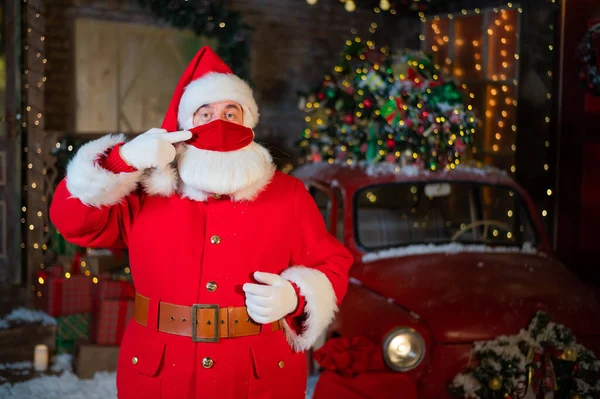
266, 278
257, 289
176, 137
156, 130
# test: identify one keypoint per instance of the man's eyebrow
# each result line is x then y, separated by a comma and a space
233, 106
205, 106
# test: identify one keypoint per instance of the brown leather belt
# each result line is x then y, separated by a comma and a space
204, 323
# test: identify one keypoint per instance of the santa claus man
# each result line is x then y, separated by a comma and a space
235, 272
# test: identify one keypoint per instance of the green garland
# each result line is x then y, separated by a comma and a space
543, 359
402, 7
213, 20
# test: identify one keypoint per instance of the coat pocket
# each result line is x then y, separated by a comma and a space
142, 350
277, 371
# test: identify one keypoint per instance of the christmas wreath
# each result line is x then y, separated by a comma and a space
210, 19
542, 360
589, 57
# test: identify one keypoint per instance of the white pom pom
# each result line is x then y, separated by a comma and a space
161, 182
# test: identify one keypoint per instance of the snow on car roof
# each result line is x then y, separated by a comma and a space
362, 174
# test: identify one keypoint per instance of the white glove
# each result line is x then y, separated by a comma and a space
270, 302
153, 149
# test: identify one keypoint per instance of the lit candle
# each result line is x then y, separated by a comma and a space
40, 358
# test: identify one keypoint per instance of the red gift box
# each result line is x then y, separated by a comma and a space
113, 289
113, 308
59, 294
110, 319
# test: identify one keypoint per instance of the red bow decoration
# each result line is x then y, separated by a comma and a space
76, 264
350, 356
541, 376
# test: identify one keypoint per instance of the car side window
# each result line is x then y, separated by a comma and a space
339, 231
324, 204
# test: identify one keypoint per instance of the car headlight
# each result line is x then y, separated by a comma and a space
403, 349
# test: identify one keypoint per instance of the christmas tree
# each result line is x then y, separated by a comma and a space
378, 106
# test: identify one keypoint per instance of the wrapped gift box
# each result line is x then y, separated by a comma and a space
110, 319
107, 288
71, 328
60, 246
61, 294
89, 358
113, 308
122, 274
92, 263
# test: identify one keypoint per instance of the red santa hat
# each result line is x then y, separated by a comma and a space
207, 79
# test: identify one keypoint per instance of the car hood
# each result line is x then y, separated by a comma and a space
469, 297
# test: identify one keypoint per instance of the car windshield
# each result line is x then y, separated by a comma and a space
399, 214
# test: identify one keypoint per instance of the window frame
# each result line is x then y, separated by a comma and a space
332, 207
519, 198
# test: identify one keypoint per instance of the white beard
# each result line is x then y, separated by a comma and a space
240, 174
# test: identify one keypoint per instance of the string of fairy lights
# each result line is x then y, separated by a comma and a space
500, 98
33, 80
34, 211
501, 33
384, 5
500, 121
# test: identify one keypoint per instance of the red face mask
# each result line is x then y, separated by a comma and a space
220, 135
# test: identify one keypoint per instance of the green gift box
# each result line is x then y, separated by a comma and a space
69, 329
60, 246
392, 111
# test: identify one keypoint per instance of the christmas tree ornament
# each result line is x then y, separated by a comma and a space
372, 80
301, 103
569, 354
495, 383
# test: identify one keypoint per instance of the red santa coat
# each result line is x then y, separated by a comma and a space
172, 258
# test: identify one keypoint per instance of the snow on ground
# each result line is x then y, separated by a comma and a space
68, 386
26, 316
64, 386
450, 248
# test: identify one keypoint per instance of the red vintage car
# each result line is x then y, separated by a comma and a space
442, 259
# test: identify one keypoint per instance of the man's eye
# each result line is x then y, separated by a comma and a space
230, 116
205, 115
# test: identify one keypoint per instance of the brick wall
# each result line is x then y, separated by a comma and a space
59, 68
293, 45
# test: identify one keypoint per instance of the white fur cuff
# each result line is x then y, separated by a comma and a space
321, 305
94, 185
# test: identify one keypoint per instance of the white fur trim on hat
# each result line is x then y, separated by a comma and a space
215, 87
320, 305
91, 183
